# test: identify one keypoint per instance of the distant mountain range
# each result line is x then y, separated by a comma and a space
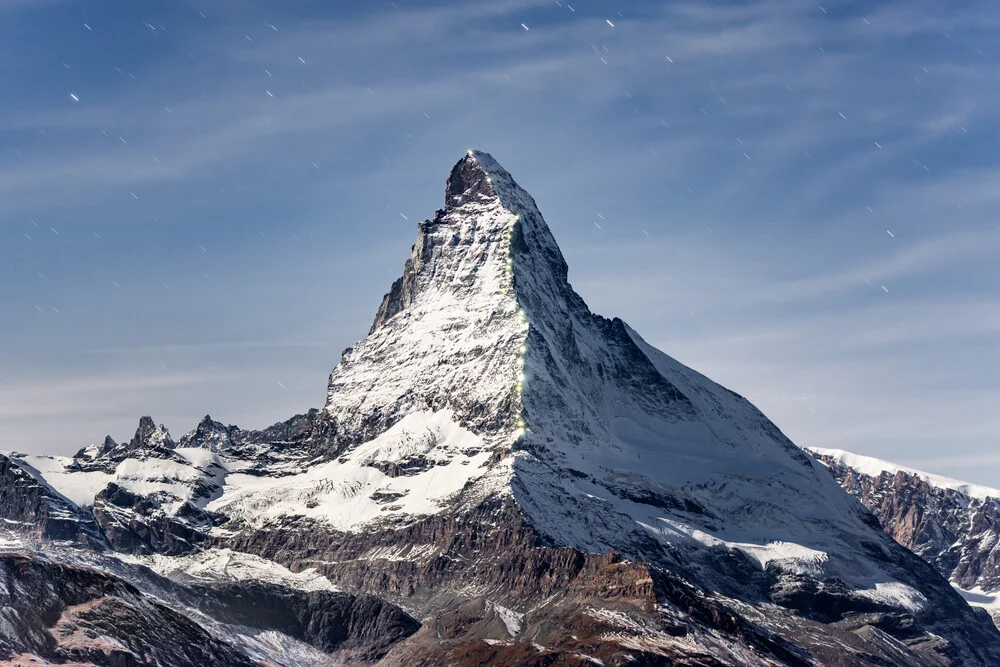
498, 477
953, 525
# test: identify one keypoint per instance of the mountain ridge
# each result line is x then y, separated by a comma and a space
873, 466
532, 482
951, 524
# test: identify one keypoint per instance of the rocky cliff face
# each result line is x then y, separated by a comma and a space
34, 509
534, 483
950, 524
62, 613
84, 614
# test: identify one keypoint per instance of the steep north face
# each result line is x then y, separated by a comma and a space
533, 483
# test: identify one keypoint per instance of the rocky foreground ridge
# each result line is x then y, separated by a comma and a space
498, 477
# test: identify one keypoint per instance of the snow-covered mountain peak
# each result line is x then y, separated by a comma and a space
603, 441
451, 332
489, 241
478, 177
149, 435
209, 434
470, 179
492, 444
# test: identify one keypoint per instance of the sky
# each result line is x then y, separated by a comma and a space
202, 203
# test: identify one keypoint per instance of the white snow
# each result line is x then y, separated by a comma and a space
11, 541
340, 492
275, 648
897, 594
220, 565
873, 467
787, 556
686, 461
80, 488
171, 481
416, 553
512, 620
977, 597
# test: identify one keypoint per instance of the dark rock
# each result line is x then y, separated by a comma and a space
62, 613
31, 507
362, 627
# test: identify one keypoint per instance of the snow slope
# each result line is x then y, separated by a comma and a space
355, 490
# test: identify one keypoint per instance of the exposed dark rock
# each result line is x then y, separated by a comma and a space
31, 507
952, 531
63, 614
410, 466
211, 435
134, 524
362, 628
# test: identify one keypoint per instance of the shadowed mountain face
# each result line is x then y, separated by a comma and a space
62, 613
534, 483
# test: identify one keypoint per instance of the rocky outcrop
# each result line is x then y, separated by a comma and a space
30, 507
212, 435
64, 613
458, 570
136, 524
61, 613
491, 589
953, 526
359, 628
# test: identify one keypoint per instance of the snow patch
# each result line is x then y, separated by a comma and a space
224, 565
511, 619
416, 553
786, 556
895, 594
867, 465
80, 488
354, 490
977, 597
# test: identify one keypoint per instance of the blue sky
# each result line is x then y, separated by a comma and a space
201, 204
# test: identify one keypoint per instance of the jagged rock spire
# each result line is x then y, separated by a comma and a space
149, 435
209, 434
450, 331
469, 181
484, 206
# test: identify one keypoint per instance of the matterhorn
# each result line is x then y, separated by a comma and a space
498, 476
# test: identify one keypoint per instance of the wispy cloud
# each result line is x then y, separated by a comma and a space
86, 395
921, 257
754, 167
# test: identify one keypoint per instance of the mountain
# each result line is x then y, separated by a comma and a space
953, 525
499, 476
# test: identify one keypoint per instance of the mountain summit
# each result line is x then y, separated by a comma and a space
517, 481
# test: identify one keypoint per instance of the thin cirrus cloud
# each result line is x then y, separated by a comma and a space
728, 177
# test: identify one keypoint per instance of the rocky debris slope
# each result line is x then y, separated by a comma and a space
952, 525
223, 608
533, 482
63, 613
